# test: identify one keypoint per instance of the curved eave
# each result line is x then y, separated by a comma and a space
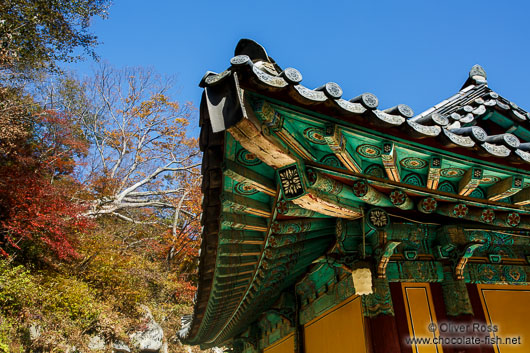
212, 146
249, 253
241, 275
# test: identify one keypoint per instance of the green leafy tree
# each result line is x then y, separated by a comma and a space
36, 34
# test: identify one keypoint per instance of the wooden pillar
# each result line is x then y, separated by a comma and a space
379, 320
455, 303
400, 313
478, 311
453, 306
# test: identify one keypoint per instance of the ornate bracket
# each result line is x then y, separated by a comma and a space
444, 252
304, 191
238, 345
495, 258
462, 260
344, 262
251, 338
384, 257
285, 313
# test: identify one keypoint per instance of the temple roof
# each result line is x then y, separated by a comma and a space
282, 162
474, 120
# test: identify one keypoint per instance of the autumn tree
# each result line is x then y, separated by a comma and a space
142, 167
37, 150
36, 208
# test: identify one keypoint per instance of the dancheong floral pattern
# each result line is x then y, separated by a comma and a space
315, 135
413, 163
378, 218
246, 158
489, 179
452, 172
369, 151
245, 189
291, 182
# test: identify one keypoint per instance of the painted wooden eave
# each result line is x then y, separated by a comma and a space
246, 259
253, 246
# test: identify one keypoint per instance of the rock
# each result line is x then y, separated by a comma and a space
151, 338
34, 332
120, 347
96, 343
164, 348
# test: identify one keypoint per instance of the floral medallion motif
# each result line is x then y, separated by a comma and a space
369, 151
514, 274
315, 135
413, 163
460, 210
360, 188
487, 215
378, 218
488, 273
413, 179
276, 228
291, 182
245, 189
513, 219
452, 172
282, 207
292, 75
246, 158
398, 197
428, 205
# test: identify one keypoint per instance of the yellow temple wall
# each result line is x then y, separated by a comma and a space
339, 330
419, 308
285, 345
508, 308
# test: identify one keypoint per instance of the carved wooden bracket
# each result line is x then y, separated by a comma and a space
384, 257
462, 260
285, 313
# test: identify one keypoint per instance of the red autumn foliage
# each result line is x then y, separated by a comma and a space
36, 188
186, 292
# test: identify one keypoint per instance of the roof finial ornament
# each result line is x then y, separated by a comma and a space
477, 76
258, 55
254, 50
477, 73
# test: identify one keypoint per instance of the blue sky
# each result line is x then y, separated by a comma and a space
412, 52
